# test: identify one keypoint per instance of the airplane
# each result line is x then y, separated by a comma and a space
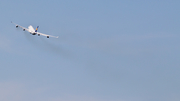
31, 30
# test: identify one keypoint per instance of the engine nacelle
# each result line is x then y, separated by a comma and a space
23, 29
16, 26
38, 34
47, 36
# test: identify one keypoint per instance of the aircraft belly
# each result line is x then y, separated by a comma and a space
33, 33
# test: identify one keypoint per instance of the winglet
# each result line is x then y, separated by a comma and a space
12, 22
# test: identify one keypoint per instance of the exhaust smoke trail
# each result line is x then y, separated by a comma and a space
48, 45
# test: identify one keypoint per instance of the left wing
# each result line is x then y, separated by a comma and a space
47, 35
21, 27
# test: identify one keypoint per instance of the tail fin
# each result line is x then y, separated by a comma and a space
36, 28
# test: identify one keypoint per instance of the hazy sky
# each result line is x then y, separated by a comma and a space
107, 50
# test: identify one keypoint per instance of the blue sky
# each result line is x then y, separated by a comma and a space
114, 50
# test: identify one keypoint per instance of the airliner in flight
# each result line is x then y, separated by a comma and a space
32, 31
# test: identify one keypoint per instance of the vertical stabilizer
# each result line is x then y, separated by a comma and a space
36, 28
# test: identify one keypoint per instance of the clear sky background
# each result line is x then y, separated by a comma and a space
107, 50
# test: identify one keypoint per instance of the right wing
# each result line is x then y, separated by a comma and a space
47, 35
20, 26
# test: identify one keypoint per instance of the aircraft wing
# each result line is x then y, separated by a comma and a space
20, 26
46, 35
